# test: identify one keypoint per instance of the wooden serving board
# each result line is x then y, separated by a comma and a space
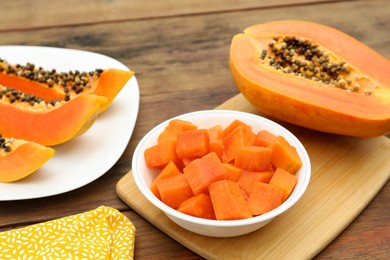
346, 174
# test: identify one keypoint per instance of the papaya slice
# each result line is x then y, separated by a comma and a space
313, 76
27, 117
20, 158
51, 85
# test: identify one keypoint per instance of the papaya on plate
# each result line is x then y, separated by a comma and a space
27, 117
20, 158
313, 76
50, 84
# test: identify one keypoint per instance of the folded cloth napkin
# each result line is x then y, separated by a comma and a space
102, 233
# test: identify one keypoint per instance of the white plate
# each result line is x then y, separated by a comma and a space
87, 157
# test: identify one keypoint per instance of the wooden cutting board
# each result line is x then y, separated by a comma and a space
346, 174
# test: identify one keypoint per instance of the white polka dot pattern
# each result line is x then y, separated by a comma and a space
103, 233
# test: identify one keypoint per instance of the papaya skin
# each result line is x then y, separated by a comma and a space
308, 103
23, 159
108, 84
53, 126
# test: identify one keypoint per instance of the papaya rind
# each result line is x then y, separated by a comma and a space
54, 126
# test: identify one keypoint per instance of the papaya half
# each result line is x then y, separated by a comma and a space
313, 76
51, 84
27, 117
20, 158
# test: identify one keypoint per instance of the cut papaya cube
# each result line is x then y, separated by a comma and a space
233, 173
215, 140
159, 155
192, 144
198, 206
241, 136
186, 161
284, 181
233, 125
264, 198
264, 138
228, 201
247, 180
174, 127
285, 156
169, 170
253, 158
174, 190
202, 172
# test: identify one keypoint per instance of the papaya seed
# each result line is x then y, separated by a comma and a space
16, 96
263, 54
356, 87
50, 77
342, 84
291, 54
5, 145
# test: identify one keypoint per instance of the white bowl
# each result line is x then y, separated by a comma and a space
143, 175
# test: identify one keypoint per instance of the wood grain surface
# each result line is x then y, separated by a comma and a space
179, 51
22, 14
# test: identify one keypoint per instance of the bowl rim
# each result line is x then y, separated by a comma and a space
145, 190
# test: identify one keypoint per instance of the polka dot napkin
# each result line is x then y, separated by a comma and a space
103, 233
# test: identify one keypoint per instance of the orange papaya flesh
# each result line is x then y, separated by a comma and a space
20, 158
48, 124
52, 85
313, 76
110, 83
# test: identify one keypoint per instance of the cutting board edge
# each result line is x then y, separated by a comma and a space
208, 255
121, 194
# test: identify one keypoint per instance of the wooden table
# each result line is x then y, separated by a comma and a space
179, 50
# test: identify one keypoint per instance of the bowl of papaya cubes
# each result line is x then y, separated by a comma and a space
221, 173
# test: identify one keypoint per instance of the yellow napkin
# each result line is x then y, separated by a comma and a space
102, 233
